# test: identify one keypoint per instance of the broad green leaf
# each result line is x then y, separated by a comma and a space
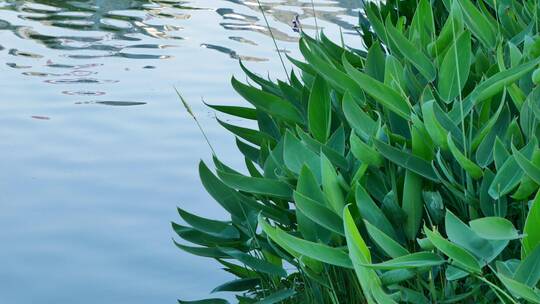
296, 155
335, 156
386, 243
394, 74
412, 53
201, 238
319, 213
455, 68
520, 289
391, 277
242, 112
530, 169
212, 227
491, 87
319, 110
209, 252
382, 93
494, 228
462, 235
473, 169
436, 131
509, 174
486, 129
531, 238
338, 79
359, 254
528, 271
478, 24
407, 160
412, 204
331, 186
267, 85
375, 62
255, 263
460, 256
422, 26
224, 195
278, 296
452, 27
205, 301
371, 212
365, 153
413, 260
238, 285
256, 185
359, 120
267, 102
313, 250
253, 136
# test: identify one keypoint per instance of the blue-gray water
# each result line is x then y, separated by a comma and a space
96, 151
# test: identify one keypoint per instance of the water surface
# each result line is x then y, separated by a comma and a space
96, 150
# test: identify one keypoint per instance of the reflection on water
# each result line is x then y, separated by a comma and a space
96, 150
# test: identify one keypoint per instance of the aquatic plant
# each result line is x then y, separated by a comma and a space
409, 172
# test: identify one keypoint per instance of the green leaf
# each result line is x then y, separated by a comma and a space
224, 195
478, 24
267, 102
422, 26
491, 87
510, 173
209, 252
255, 263
206, 301
526, 165
386, 243
412, 204
238, 285
412, 53
365, 153
520, 289
413, 260
256, 185
201, 238
460, 256
407, 160
375, 62
473, 169
253, 136
278, 296
434, 128
359, 253
494, 228
371, 212
319, 110
381, 92
313, 250
319, 213
237, 111
337, 79
462, 235
531, 232
528, 271
455, 68
296, 155
359, 120
331, 186
212, 227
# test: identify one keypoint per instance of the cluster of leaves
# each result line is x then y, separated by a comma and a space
406, 173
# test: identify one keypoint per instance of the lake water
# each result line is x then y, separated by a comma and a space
96, 150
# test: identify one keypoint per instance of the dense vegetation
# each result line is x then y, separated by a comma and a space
405, 173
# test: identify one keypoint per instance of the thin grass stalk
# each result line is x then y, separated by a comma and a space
274, 40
